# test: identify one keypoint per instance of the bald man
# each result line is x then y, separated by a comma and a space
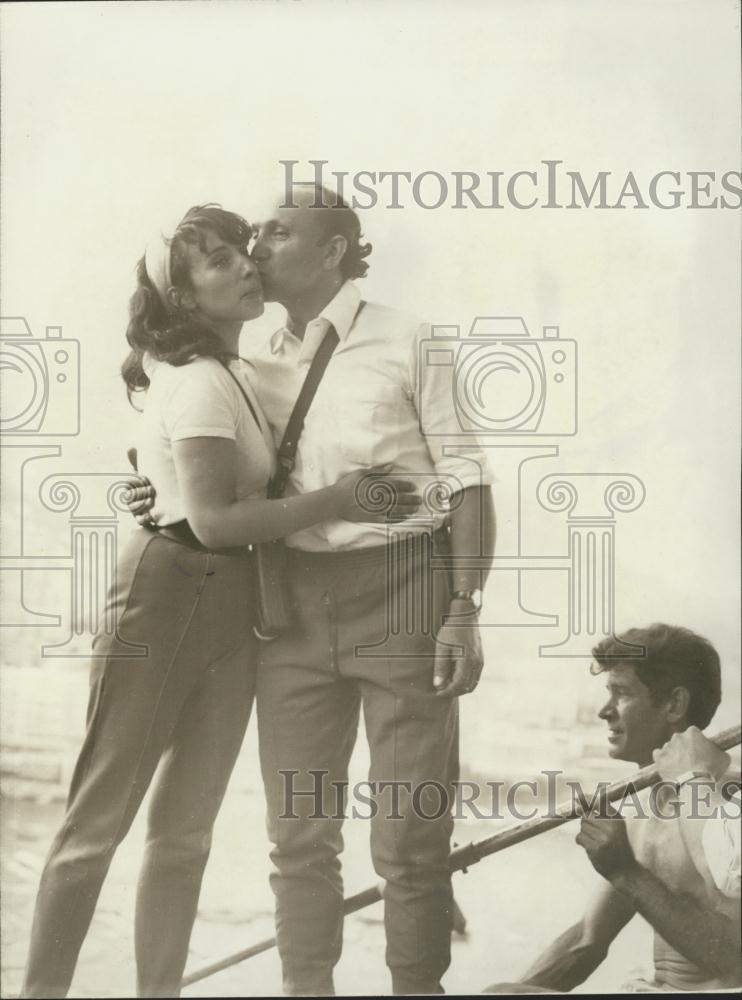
338, 658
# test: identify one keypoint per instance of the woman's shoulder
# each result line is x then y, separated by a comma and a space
198, 370
201, 382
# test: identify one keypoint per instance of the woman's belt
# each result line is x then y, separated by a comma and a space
182, 533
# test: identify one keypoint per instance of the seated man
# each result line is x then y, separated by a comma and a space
665, 862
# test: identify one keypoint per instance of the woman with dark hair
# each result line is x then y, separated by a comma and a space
183, 595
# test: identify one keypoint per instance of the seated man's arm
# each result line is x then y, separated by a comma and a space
578, 952
706, 937
696, 929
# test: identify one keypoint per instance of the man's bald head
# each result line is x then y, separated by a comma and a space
305, 253
324, 212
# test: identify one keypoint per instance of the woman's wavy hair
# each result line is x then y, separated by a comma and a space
170, 332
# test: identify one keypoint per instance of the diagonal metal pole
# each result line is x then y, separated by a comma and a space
464, 857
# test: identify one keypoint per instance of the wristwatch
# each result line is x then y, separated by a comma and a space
473, 597
692, 776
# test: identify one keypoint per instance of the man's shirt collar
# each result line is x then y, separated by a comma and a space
340, 311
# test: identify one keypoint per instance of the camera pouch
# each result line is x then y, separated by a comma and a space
273, 612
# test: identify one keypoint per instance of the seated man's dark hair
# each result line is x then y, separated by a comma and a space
673, 657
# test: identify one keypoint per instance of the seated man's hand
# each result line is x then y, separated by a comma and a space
606, 843
690, 751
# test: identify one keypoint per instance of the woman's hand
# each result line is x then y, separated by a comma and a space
372, 496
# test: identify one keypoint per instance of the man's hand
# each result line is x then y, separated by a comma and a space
458, 653
375, 496
606, 843
140, 497
690, 751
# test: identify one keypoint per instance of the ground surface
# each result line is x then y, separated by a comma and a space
514, 904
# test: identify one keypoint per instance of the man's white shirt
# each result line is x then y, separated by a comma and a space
377, 403
722, 846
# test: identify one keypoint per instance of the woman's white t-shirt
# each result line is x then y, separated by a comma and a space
200, 399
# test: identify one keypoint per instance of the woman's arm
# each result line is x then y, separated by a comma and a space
205, 468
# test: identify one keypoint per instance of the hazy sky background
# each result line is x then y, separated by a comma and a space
117, 116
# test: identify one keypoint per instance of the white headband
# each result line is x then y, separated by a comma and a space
157, 264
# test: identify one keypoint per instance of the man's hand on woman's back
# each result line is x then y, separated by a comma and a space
140, 498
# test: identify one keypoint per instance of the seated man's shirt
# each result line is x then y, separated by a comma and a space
721, 847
